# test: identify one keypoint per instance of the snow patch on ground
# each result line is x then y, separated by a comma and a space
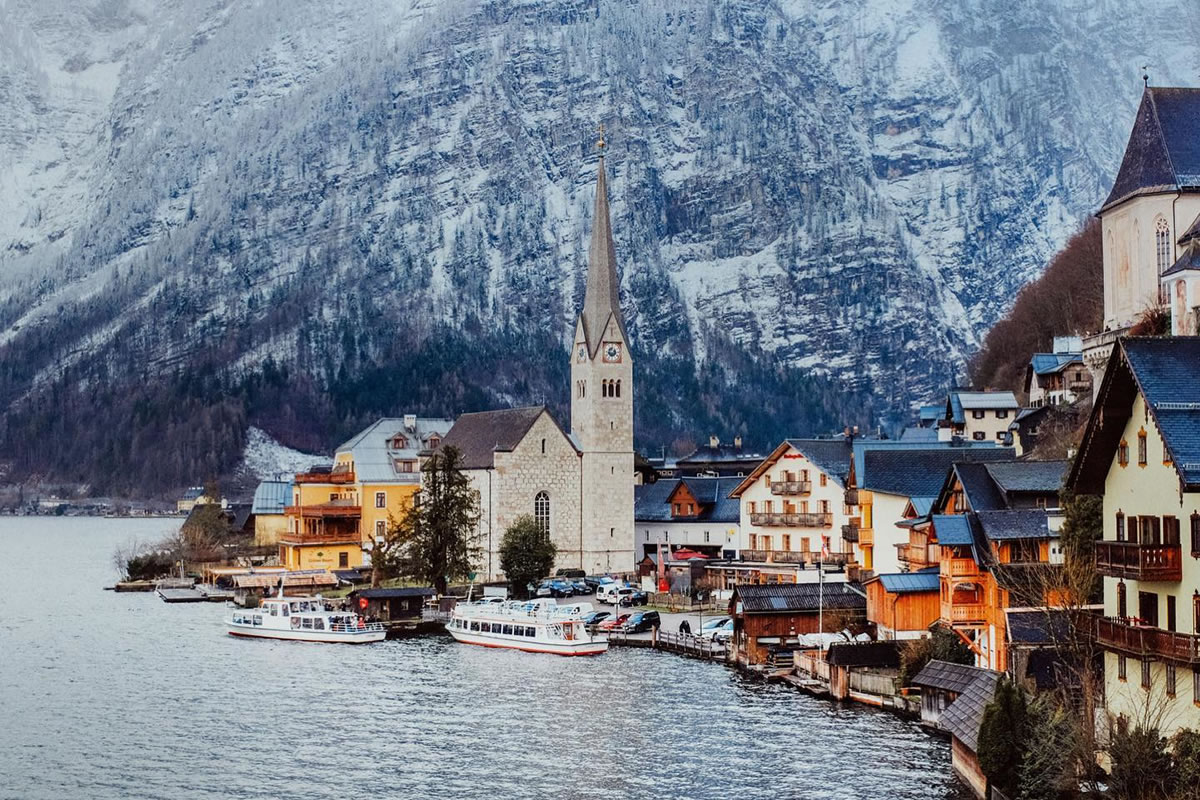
268, 459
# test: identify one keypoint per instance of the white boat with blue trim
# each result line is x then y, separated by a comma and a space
535, 626
303, 619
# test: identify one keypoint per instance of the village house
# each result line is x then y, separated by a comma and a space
579, 487
793, 509
903, 605
769, 618
978, 416
887, 478
1060, 377
695, 514
941, 683
962, 719
271, 499
1141, 451
337, 512
1155, 195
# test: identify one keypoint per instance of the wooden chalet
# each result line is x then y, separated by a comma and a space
771, 616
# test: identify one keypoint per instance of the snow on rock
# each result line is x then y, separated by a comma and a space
267, 459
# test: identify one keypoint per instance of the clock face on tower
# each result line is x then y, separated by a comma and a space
612, 353
581, 355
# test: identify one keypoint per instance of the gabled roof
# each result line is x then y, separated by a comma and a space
480, 435
1042, 477
783, 597
909, 582
602, 300
271, 497
979, 488
911, 434
651, 501
922, 505
919, 472
953, 529
1050, 363
948, 676
831, 456
1008, 525
1163, 152
930, 413
964, 716
375, 458
1166, 372
957, 403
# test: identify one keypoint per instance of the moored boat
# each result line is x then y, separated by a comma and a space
535, 626
303, 619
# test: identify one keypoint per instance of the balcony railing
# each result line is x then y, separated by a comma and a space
1147, 642
793, 520
791, 487
795, 557
850, 533
852, 497
1141, 562
914, 555
334, 509
962, 567
341, 536
866, 537
967, 612
338, 475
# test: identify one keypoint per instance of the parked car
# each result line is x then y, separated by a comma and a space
580, 587
638, 598
572, 574
614, 623
597, 581
544, 590
615, 594
719, 630
554, 588
640, 621
595, 618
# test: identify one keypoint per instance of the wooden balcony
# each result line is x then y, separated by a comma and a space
850, 532
338, 476
1139, 562
1146, 642
961, 567
334, 509
852, 497
866, 537
915, 556
792, 520
795, 557
965, 612
791, 487
340, 535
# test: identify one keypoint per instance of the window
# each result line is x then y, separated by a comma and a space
1170, 530
1146, 675
380, 500
543, 447
1123, 453
434, 441
399, 442
979, 436
1148, 608
1002, 413
1196, 686
1121, 528
1195, 520
706, 537
824, 479
1131, 528
753, 541
507, 630
1142, 448
1171, 612
1122, 668
1000, 435
1122, 605
618, 388
541, 511
1163, 251
343, 559
977, 414
787, 541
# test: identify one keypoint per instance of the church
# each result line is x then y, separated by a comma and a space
577, 485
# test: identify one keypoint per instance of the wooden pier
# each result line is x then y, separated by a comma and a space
686, 644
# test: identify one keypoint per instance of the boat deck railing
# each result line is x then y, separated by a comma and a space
341, 627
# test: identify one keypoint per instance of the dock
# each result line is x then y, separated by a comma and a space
686, 644
177, 591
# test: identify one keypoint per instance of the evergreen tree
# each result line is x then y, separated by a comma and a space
437, 534
526, 553
1002, 736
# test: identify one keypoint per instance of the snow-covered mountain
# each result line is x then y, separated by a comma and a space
845, 190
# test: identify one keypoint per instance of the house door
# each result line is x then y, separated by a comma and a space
1148, 608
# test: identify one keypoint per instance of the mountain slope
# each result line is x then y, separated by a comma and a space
817, 209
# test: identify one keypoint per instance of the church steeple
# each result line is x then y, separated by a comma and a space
603, 298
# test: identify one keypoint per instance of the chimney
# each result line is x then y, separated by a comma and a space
714, 442
410, 422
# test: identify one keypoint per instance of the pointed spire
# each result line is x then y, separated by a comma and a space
603, 298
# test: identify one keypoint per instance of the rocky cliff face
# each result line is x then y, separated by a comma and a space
806, 195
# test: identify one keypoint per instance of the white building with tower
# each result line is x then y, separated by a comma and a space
578, 485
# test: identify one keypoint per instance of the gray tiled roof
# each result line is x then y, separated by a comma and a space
832, 456
1188, 260
1050, 363
479, 436
953, 530
963, 717
783, 597
375, 458
919, 472
979, 488
1014, 524
1029, 476
650, 500
271, 497
1163, 152
948, 676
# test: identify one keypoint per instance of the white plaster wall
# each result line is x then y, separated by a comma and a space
692, 532
886, 511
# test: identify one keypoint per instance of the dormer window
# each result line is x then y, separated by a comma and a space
399, 442
433, 441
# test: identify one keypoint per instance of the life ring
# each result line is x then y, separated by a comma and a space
363, 603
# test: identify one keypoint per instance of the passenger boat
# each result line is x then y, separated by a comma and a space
535, 626
303, 619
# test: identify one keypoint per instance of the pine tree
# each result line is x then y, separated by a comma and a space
437, 534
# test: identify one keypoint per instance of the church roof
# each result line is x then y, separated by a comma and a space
603, 298
480, 435
1163, 153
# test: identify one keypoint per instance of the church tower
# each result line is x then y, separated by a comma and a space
602, 404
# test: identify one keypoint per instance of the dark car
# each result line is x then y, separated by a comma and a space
572, 574
594, 582
580, 587
642, 621
595, 618
549, 588
638, 598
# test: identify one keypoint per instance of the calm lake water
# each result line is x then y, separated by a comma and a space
106, 695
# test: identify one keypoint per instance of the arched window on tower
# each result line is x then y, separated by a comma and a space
541, 511
1162, 253
618, 387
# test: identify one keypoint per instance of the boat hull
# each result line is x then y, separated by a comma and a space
333, 637
592, 648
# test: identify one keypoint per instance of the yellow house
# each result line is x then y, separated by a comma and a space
271, 498
337, 512
1141, 451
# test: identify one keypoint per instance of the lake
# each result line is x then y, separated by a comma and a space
107, 695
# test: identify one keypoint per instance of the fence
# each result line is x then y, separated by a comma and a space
873, 683
675, 602
812, 665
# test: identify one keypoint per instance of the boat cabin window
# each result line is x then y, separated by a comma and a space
285, 608
487, 627
530, 631
508, 629
474, 626
274, 610
319, 624
257, 619
306, 623
295, 622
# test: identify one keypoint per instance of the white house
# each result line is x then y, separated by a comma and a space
694, 513
978, 416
